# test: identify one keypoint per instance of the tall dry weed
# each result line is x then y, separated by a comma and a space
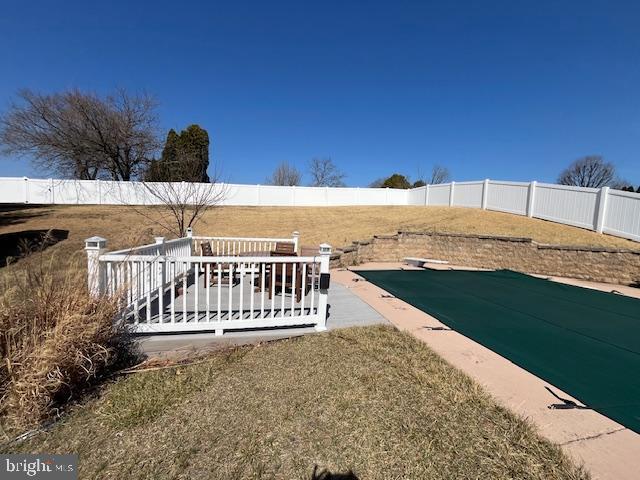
55, 340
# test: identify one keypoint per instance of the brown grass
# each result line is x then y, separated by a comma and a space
338, 226
54, 339
372, 400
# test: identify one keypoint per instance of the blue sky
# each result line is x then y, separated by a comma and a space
506, 90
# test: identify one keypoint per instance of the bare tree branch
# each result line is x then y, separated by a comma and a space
590, 171
377, 183
180, 205
439, 174
82, 135
285, 175
325, 173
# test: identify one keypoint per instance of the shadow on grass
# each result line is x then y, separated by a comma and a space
327, 475
16, 245
14, 214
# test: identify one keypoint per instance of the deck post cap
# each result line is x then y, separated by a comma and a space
325, 249
95, 243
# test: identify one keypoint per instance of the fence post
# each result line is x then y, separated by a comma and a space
258, 195
53, 196
26, 189
296, 239
325, 255
485, 192
191, 246
160, 241
531, 200
95, 246
386, 196
293, 195
451, 192
161, 253
602, 208
426, 195
326, 196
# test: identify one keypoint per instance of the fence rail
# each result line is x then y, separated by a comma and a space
603, 210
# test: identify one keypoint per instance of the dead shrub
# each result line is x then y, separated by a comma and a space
55, 340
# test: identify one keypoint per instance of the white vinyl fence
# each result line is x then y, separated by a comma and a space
105, 192
170, 287
603, 210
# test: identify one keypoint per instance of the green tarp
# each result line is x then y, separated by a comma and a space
583, 341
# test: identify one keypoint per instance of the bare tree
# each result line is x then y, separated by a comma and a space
180, 205
325, 173
439, 174
82, 135
377, 183
590, 171
285, 175
621, 184
185, 203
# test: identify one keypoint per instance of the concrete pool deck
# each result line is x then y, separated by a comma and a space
607, 449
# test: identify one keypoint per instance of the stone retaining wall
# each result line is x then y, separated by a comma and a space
483, 251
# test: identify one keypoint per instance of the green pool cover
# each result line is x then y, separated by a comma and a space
583, 341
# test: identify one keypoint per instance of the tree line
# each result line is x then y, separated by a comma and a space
83, 135
325, 173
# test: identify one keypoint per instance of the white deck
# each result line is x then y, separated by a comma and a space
238, 309
345, 310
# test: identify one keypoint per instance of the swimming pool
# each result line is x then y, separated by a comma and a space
584, 341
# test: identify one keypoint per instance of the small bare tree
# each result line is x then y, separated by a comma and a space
185, 203
82, 135
590, 171
285, 175
439, 174
180, 205
325, 173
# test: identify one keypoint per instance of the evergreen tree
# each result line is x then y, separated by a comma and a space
170, 150
396, 181
185, 157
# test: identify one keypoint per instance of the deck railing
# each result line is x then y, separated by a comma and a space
169, 287
179, 246
241, 245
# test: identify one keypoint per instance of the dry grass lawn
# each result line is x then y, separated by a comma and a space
372, 400
338, 226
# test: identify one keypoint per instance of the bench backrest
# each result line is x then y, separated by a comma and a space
285, 248
205, 249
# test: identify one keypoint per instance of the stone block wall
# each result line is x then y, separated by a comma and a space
483, 251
